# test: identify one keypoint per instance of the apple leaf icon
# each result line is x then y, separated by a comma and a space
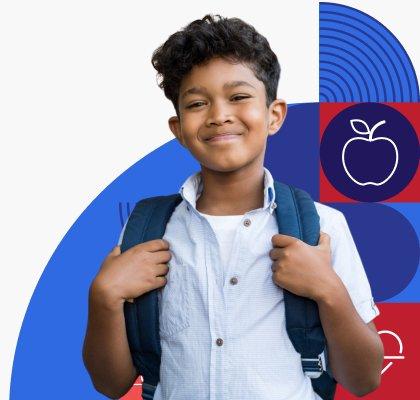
354, 123
362, 128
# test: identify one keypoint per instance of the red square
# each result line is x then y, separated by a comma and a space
400, 368
329, 194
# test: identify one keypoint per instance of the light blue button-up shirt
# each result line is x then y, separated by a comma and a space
228, 341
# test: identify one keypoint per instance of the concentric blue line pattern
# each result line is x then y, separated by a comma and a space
360, 60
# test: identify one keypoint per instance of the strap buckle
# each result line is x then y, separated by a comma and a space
313, 367
148, 391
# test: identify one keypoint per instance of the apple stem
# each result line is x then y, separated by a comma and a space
377, 125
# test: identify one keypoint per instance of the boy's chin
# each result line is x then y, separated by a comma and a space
225, 168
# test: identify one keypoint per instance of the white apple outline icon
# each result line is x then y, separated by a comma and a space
369, 139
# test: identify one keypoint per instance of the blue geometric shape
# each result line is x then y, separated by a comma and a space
387, 243
411, 294
48, 360
292, 154
361, 60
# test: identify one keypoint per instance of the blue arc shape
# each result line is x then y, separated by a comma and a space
328, 72
394, 45
373, 55
377, 49
338, 61
342, 53
323, 88
340, 95
349, 46
352, 77
396, 74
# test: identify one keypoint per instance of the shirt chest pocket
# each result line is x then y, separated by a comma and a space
174, 307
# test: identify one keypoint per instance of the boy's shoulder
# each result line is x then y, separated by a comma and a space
329, 217
328, 210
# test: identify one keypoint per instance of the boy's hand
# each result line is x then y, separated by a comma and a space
303, 269
136, 271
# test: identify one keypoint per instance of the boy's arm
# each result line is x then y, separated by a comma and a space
125, 276
105, 352
355, 350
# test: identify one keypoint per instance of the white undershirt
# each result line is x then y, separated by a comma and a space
224, 227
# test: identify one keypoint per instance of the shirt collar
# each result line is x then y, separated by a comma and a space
193, 186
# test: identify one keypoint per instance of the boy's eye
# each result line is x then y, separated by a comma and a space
196, 104
240, 97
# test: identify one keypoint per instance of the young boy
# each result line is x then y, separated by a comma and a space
221, 309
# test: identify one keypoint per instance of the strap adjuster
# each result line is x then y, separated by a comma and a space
313, 367
148, 391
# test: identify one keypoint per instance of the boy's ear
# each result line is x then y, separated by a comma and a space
175, 127
277, 111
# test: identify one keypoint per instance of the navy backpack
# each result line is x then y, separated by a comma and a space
296, 216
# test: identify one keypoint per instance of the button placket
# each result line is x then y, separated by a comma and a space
217, 308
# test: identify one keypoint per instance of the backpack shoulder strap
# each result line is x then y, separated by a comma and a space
146, 222
297, 216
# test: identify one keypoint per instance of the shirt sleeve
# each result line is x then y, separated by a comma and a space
122, 234
348, 265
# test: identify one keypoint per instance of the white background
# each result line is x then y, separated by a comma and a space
79, 104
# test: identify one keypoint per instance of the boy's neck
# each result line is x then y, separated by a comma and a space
231, 193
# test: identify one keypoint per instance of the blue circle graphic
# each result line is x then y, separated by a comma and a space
369, 152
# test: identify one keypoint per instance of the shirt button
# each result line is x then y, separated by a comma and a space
247, 222
233, 280
273, 206
219, 342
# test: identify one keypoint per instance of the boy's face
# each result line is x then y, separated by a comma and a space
223, 117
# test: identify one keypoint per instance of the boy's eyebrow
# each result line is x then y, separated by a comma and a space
227, 85
233, 84
194, 90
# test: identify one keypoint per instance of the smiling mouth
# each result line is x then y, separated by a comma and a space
223, 137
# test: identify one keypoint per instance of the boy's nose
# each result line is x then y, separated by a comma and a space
218, 115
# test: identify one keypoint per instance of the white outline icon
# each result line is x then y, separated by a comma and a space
368, 132
400, 350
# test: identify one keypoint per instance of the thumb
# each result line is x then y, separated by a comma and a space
280, 240
324, 240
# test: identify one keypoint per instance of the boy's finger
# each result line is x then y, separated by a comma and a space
161, 257
280, 240
155, 245
324, 239
276, 253
160, 281
162, 269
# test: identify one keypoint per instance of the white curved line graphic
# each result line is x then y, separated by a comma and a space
396, 337
369, 183
388, 366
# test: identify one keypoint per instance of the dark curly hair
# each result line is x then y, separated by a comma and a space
215, 36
